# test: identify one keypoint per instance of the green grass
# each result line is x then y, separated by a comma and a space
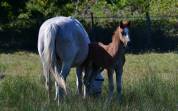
149, 83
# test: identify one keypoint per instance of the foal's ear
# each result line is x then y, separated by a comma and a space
124, 23
121, 24
128, 24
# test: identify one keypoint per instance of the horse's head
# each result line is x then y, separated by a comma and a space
92, 79
124, 32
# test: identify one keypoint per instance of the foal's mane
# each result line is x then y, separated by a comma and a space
116, 34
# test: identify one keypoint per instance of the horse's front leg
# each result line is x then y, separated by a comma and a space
88, 72
79, 81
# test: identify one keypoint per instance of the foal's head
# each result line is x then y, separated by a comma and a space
123, 30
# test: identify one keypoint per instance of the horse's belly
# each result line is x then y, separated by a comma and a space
72, 52
81, 56
72, 43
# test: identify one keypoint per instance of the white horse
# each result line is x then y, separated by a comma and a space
62, 44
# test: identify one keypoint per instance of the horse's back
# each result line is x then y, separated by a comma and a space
71, 39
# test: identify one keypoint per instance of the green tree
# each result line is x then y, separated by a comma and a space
10, 9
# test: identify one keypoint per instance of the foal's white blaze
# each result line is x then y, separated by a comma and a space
127, 38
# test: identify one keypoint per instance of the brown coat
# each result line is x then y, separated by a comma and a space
99, 56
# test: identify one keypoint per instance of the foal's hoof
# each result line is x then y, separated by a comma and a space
2, 76
119, 99
108, 100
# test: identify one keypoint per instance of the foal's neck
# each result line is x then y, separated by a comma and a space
114, 45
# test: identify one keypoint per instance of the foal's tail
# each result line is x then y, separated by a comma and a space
50, 54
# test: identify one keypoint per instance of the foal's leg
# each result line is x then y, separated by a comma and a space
110, 83
119, 72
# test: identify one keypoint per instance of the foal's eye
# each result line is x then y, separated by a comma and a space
123, 33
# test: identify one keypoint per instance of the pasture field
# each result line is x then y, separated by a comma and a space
150, 83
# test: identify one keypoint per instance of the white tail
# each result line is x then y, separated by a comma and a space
49, 54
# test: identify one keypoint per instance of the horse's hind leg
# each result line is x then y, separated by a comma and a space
65, 69
57, 70
61, 87
57, 91
47, 80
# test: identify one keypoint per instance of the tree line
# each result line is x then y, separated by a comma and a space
20, 20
